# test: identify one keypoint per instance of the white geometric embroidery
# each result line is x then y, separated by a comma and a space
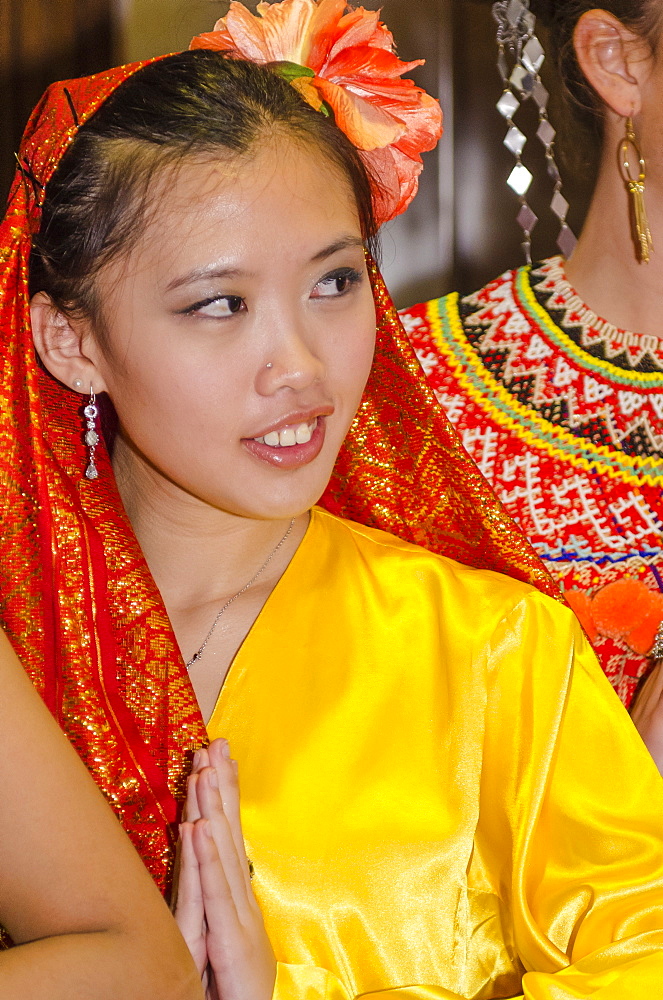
630, 402
537, 349
428, 361
656, 400
411, 323
530, 491
487, 439
571, 506
594, 391
564, 374
640, 525
453, 405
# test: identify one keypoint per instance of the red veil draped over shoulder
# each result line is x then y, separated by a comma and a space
76, 597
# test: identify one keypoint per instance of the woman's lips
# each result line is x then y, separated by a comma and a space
298, 444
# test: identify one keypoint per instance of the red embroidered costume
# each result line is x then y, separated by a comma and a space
563, 414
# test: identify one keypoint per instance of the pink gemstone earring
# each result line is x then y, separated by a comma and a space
91, 413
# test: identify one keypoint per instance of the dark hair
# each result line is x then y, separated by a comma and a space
193, 103
645, 17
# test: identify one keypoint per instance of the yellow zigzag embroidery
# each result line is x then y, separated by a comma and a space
632, 469
647, 380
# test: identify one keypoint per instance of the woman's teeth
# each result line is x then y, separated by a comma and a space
289, 436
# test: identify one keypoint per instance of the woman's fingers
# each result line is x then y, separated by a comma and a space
239, 952
189, 906
200, 759
226, 770
221, 918
191, 807
234, 865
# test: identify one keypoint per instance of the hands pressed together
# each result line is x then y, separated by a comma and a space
216, 909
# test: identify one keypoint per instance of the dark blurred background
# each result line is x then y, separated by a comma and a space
461, 229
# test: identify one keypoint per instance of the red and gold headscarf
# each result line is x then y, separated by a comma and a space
76, 597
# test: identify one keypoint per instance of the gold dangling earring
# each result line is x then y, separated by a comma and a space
636, 189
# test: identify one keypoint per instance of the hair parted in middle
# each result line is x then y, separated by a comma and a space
192, 104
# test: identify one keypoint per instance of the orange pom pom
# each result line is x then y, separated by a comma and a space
581, 604
629, 610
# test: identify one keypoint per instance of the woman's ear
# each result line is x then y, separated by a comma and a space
615, 60
59, 342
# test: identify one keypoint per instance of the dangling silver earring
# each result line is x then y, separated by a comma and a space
91, 412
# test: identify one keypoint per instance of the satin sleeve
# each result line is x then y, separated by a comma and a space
570, 823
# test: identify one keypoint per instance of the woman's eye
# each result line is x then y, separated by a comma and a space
336, 284
219, 307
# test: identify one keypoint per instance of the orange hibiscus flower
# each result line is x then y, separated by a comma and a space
348, 65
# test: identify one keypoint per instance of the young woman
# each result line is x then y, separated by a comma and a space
432, 764
84, 916
553, 374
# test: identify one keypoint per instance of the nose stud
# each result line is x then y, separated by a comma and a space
269, 364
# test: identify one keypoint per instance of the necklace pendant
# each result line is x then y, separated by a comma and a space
197, 656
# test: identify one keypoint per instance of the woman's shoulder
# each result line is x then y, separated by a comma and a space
398, 569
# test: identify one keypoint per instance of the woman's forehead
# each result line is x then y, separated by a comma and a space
281, 203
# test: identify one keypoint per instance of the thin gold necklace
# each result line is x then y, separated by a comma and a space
201, 650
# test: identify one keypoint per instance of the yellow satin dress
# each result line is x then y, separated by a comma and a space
442, 795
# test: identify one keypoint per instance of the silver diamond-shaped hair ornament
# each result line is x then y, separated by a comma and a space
515, 24
553, 171
533, 56
545, 132
520, 179
514, 11
522, 80
519, 62
540, 95
515, 140
566, 241
559, 205
526, 218
508, 104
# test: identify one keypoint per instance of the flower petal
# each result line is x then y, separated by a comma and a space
422, 118
308, 90
357, 75
395, 181
324, 31
220, 41
301, 31
247, 34
365, 62
365, 124
360, 27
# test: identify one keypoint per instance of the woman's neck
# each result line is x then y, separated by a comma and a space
604, 269
200, 558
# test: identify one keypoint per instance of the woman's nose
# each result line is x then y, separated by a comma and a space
290, 361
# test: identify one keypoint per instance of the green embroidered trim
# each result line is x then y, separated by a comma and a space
531, 306
491, 396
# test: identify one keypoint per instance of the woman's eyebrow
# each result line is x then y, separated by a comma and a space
199, 273
344, 243
215, 271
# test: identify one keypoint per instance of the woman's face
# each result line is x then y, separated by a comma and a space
240, 333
